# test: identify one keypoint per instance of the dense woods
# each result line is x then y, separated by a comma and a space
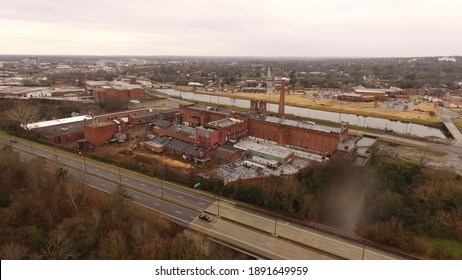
46, 215
393, 202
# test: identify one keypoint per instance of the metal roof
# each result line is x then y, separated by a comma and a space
264, 148
303, 124
59, 121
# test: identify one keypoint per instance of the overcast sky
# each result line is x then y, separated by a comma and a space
308, 28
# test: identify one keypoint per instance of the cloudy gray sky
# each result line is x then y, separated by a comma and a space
306, 28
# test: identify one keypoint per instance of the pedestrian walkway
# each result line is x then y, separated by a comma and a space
454, 131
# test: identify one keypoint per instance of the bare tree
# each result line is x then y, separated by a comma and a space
24, 114
59, 246
422, 157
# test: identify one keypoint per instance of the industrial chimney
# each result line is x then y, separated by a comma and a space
282, 101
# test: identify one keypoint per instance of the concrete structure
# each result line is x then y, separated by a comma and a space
381, 93
258, 106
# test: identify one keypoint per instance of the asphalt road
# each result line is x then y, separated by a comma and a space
253, 232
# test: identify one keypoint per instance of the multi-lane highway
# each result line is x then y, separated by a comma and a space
253, 232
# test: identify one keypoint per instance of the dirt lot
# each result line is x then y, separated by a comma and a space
124, 151
428, 158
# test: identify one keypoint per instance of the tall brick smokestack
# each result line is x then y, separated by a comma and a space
282, 99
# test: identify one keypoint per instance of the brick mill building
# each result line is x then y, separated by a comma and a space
101, 90
215, 126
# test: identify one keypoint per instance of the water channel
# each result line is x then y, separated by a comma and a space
368, 122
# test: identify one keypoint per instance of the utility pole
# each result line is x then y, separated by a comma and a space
84, 161
218, 205
161, 185
56, 154
275, 222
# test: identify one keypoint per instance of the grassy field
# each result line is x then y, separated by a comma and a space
363, 109
458, 122
452, 247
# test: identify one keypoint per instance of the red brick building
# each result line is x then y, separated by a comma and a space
98, 133
101, 90
204, 137
120, 114
62, 133
230, 128
196, 115
306, 135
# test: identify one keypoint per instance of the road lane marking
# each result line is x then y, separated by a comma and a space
111, 174
143, 184
179, 212
137, 197
125, 179
96, 169
180, 196
103, 185
193, 217
201, 203
156, 204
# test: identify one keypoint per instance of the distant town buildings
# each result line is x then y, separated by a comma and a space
380, 93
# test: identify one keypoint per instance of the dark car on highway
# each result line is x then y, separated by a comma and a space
205, 217
14, 141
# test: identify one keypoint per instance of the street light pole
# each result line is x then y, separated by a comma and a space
364, 250
218, 205
161, 186
275, 222
84, 161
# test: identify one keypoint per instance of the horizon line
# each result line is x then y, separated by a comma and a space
222, 56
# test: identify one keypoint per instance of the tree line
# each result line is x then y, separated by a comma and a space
46, 215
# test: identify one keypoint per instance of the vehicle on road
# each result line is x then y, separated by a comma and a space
14, 141
205, 217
